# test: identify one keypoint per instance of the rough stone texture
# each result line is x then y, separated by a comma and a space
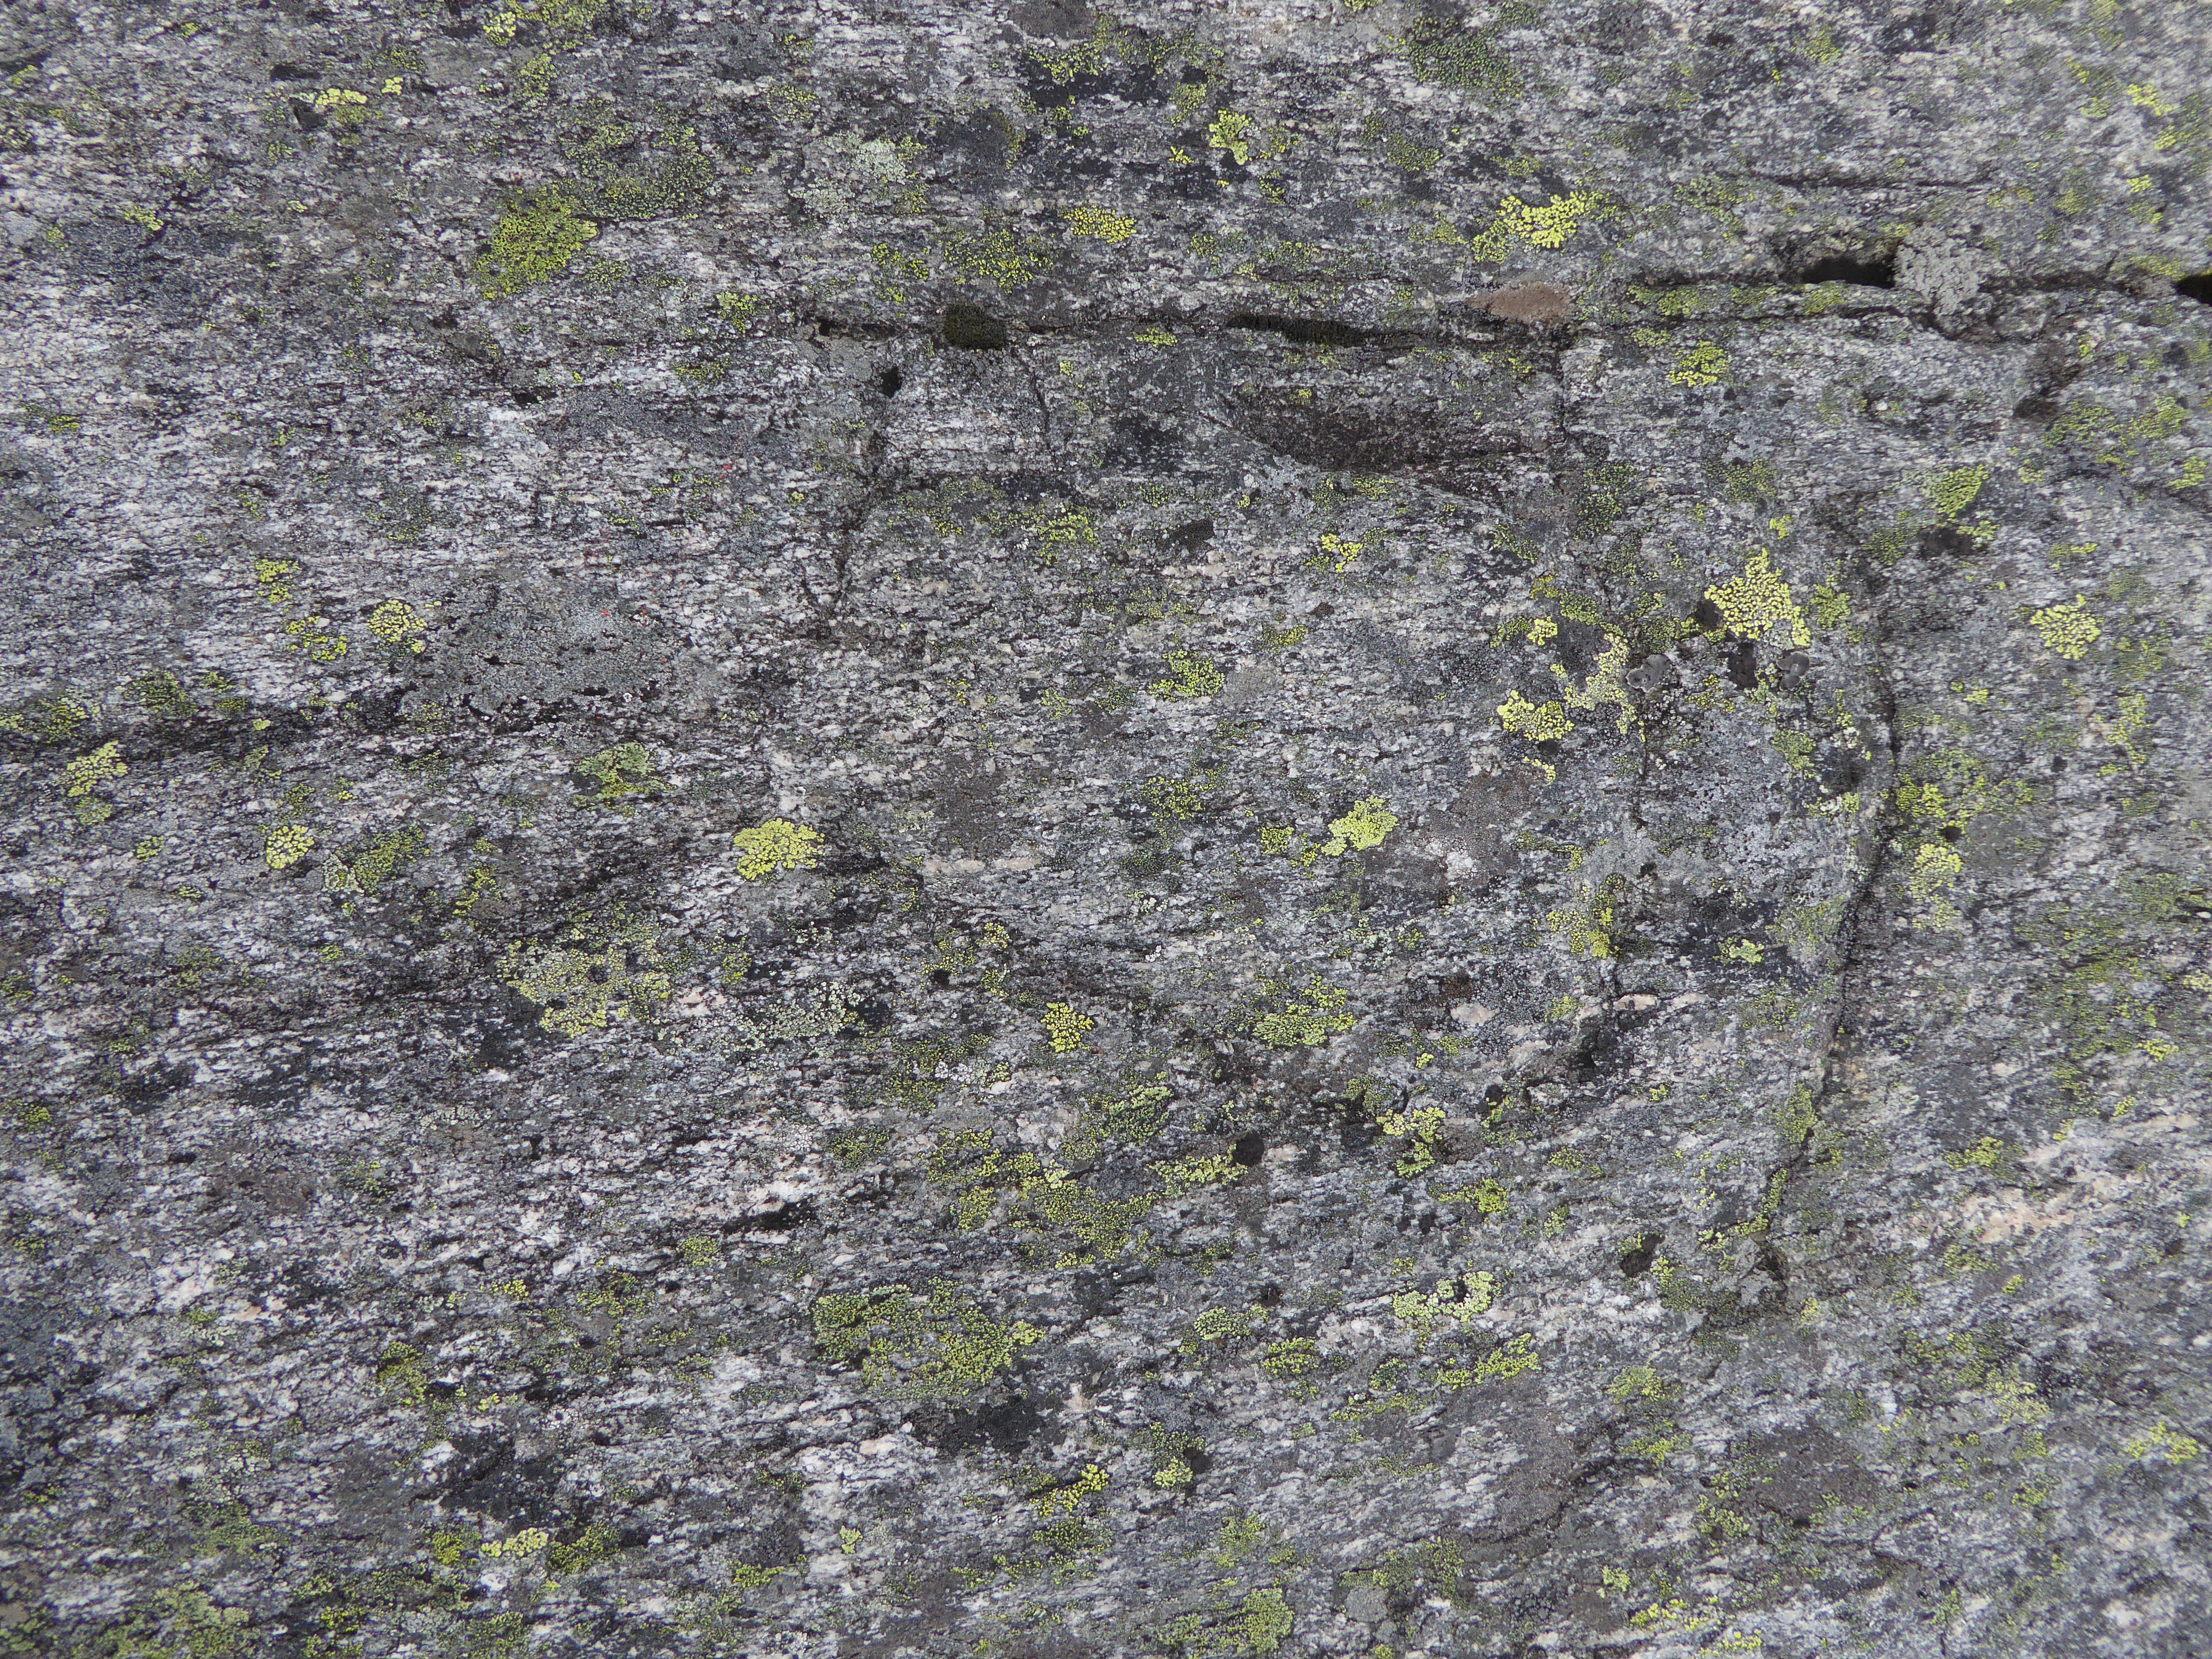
1295, 828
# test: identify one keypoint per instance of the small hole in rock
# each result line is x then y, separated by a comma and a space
785, 1218
1299, 330
2198, 288
1248, 1149
1843, 268
890, 381
1743, 665
971, 328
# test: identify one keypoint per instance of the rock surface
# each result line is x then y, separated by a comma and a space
1313, 828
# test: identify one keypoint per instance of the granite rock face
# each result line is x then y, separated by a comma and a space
1298, 828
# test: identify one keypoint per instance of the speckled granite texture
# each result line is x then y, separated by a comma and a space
868, 830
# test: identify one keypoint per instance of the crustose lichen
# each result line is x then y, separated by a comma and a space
1753, 604
936, 1345
778, 844
1362, 829
623, 771
590, 976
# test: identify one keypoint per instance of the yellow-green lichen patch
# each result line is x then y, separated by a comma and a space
1067, 1028
1449, 54
627, 169
1754, 603
1518, 225
1400, 150
1934, 868
1607, 683
288, 844
1362, 829
1546, 225
375, 864
1952, 493
1590, 928
1467, 1297
624, 773
1516, 1358
1189, 675
1336, 553
937, 1345
1036, 1195
1604, 496
1544, 722
2068, 630
1638, 1383
1419, 1125
776, 845
998, 256
1245, 143
1987, 1154
1263, 1621
1307, 1017
565, 20
529, 1541
2165, 1443
1950, 788
274, 578
86, 774
159, 694
342, 104
1095, 222
533, 242
1488, 1196
314, 635
1181, 1177
1830, 608
50, 719
592, 974
1172, 800
399, 625
1700, 365
1062, 1498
